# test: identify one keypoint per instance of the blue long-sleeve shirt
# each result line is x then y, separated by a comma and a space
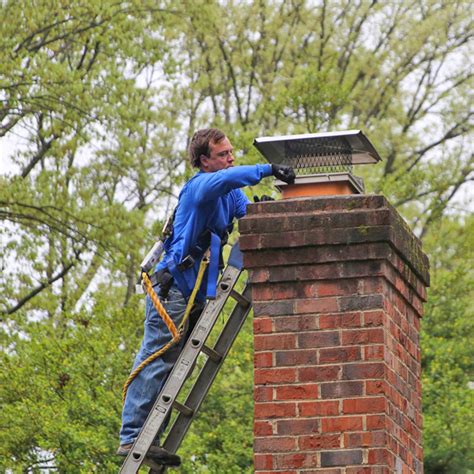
208, 201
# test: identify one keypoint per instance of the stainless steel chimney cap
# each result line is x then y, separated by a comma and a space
319, 152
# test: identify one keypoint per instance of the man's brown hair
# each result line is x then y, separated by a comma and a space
200, 144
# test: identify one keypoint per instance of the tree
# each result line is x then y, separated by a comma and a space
103, 99
448, 355
74, 213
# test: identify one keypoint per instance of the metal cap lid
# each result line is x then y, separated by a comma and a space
319, 152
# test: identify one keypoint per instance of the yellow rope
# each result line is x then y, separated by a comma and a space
177, 334
197, 285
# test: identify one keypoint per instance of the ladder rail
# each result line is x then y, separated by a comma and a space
180, 372
208, 373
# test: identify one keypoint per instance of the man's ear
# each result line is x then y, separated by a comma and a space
204, 161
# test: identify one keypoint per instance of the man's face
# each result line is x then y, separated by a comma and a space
220, 156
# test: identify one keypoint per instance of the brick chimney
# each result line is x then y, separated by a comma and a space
338, 285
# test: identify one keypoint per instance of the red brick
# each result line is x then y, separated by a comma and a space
263, 461
263, 394
361, 268
322, 271
320, 305
299, 460
371, 285
337, 287
272, 445
318, 408
308, 290
362, 336
273, 308
364, 439
279, 472
274, 410
260, 275
363, 371
277, 375
282, 274
262, 292
262, 325
297, 426
263, 359
363, 405
375, 387
319, 374
341, 457
373, 318
375, 422
341, 389
324, 471
401, 286
262, 428
338, 424
287, 323
368, 470
378, 456
266, 342
284, 291
297, 392
308, 322
336, 321
319, 441
318, 339
339, 354
360, 303
374, 352
297, 357
275, 240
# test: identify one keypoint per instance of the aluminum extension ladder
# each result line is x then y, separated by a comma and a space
195, 345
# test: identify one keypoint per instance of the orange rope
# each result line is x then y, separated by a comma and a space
157, 304
150, 359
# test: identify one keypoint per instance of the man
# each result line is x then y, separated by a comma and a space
207, 205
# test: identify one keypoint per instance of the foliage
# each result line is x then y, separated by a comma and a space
99, 100
61, 388
448, 354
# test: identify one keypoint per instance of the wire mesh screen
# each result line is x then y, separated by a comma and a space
322, 155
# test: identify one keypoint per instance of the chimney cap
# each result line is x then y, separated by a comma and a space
318, 150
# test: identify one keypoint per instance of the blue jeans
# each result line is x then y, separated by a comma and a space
144, 389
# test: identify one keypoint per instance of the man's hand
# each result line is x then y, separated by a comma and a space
284, 173
262, 198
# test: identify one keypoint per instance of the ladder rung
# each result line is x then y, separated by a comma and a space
186, 411
211, 353
155, 467
242, 300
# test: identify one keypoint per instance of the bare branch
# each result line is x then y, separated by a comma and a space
41, 287
232, 74
322, 34
353, 37
455, 131
442, 202
38, 156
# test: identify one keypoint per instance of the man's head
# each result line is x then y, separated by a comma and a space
210, 150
